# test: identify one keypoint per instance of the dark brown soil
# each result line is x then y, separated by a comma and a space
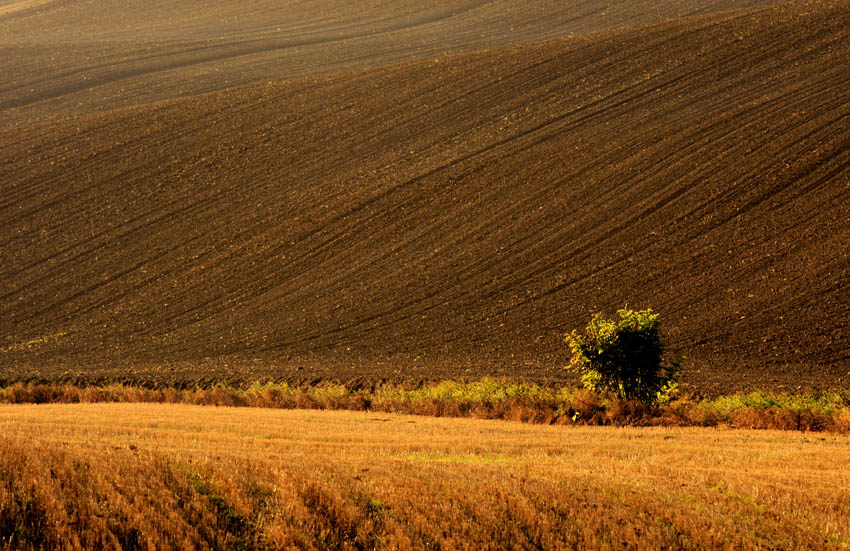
445, 216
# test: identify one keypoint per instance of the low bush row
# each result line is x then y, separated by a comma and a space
485, 399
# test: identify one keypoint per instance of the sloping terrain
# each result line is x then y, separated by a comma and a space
449, 216
60, 58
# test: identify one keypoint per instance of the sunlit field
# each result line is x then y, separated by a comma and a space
160, 476
307, 275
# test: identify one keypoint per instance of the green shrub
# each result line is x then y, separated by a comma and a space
624, 357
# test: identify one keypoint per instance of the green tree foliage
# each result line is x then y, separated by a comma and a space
624, 357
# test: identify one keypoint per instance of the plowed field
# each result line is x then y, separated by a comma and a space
299, 190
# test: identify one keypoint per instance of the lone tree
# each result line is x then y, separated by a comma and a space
624, 357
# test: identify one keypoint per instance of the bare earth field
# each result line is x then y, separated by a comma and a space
70, 57
200, 191
187, 477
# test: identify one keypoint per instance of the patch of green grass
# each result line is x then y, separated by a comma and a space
485, 390
824, 402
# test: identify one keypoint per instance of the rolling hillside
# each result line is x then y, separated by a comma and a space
61, 57
431, 194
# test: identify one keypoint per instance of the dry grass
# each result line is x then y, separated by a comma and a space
132, 476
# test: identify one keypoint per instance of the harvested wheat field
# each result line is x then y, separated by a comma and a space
194, 192
131, 476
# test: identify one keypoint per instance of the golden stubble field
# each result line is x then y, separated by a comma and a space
138, 476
